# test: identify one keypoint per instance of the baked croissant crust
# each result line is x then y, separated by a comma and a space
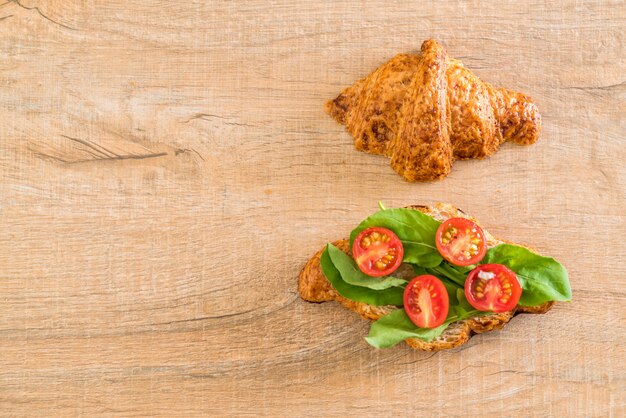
425, 110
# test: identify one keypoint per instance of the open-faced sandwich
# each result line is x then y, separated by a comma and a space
431, 276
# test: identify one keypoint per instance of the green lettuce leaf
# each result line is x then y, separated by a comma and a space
454, 273
452, 287
396, 326
542, 278
390, 296
351, 274
415, 229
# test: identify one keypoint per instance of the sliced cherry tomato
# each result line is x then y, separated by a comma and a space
377, 251
492, 287
426, 301
461, 241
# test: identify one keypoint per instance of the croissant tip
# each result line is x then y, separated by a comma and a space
430, 42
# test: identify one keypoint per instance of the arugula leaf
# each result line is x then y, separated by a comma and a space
351, 274
415, 229
542, 278
391, 296
396, 326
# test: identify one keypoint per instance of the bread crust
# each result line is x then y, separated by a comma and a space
426, 110
314, 287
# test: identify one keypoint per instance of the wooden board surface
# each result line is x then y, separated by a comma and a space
167, 168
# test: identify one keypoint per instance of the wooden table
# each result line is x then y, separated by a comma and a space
167, 168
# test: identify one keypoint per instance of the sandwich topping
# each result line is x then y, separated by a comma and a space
492, 287
426, 301
458, 274
377, 251
461, 241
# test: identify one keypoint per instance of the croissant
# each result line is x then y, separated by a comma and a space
426, 110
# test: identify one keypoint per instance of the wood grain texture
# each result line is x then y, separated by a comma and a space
166, 168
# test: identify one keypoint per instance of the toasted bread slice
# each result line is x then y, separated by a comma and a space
314, 287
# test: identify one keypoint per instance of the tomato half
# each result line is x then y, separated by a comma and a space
426, 301
492, 287
461, 241
377, 251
